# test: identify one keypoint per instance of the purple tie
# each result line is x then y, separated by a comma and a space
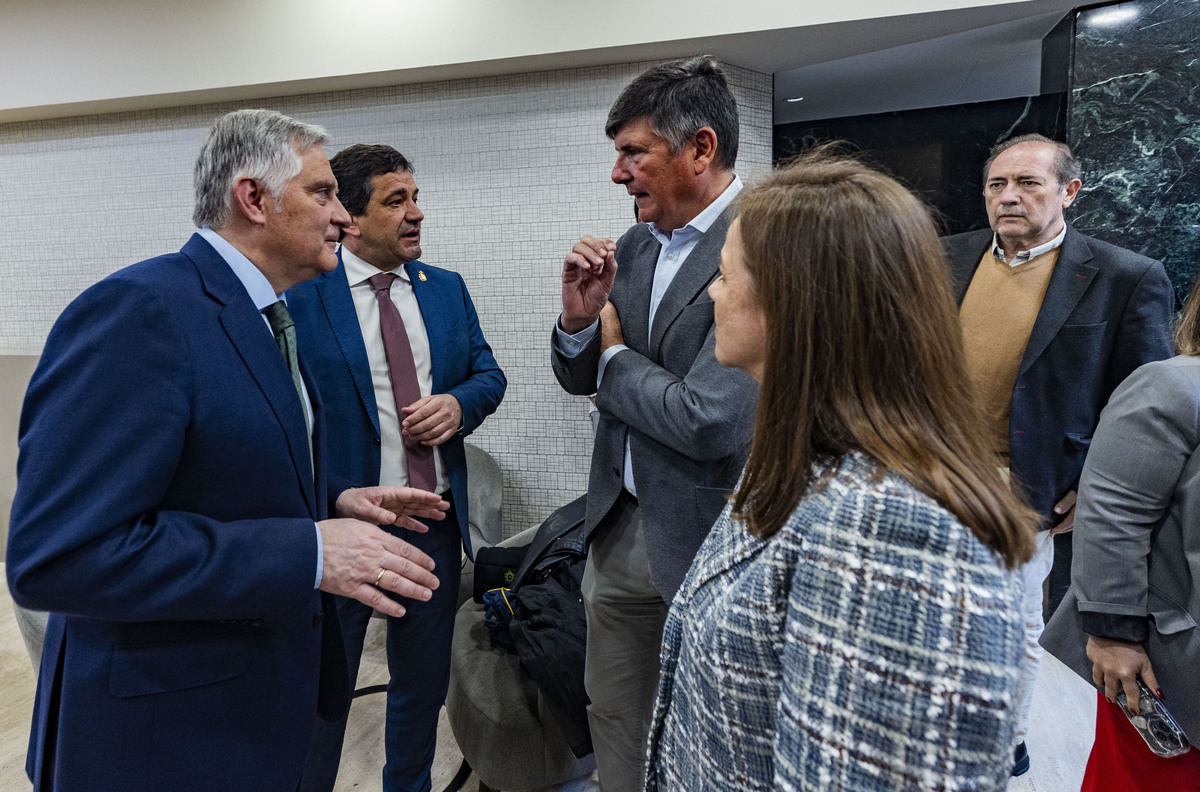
406, 389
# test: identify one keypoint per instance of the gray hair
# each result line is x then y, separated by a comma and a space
680, 97
259, 144
1066, 168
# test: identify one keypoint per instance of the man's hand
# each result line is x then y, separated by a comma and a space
1116, 664
610, 327
1066, 506
431, 420
587, 279
362, 561
391, 506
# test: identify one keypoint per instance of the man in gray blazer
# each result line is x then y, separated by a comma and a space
1052, 322
674, 424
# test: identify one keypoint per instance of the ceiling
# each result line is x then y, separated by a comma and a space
897, 63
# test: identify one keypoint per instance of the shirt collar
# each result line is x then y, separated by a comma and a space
703, 221
256, 284
358, 271
1026, 255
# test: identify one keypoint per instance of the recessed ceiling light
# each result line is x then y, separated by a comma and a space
1114, 16
797, 99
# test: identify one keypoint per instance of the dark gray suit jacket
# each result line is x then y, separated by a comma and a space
688, 418
1137, 532
1106, 311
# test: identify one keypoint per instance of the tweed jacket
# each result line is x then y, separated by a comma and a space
872, 644
1137, 532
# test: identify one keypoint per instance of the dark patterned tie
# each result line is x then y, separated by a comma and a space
285, 335
406, 389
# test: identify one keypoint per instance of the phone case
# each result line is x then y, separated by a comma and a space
1160, 731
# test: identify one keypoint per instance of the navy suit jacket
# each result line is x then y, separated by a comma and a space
164, 514
1107, 311
463, 365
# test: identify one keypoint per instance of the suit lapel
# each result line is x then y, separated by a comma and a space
635, 319
429, 300
1072, 276
697, 272
962, 267
251, 337
333, 290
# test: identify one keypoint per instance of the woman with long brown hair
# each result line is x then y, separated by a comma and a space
852, 621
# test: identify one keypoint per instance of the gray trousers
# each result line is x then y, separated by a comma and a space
625, 616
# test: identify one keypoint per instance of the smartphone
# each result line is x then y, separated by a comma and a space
1160, 731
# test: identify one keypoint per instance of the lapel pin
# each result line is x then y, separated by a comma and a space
421, 275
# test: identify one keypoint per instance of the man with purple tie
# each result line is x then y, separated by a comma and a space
405, 374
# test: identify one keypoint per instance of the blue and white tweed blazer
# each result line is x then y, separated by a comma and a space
872, 644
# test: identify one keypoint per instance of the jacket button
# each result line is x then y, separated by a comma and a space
317, 617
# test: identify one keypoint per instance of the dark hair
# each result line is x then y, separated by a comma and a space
354, 167
863, 351
681, 97
1066, 167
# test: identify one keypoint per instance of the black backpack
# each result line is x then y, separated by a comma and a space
546, 622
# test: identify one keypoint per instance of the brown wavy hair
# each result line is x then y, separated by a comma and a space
863, 351
1187, 329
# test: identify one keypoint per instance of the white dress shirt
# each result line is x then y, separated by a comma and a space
393, 467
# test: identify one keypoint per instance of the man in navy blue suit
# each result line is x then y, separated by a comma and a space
392, 403
171, 499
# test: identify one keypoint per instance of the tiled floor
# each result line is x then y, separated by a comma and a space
1060, 738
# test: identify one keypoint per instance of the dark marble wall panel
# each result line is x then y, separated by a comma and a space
1134, 122
937, 152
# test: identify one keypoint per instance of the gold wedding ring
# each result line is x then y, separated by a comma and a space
379, 577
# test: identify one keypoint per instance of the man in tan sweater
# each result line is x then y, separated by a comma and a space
1052, 322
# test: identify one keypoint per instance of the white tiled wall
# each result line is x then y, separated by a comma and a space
512, 170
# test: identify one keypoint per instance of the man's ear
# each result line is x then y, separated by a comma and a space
351, 229
251, 200
1071, 190
705, 144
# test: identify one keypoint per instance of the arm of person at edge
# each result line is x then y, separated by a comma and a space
432, 420
1123, 499
1144, 335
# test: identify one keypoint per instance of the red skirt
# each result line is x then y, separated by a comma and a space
1121, 761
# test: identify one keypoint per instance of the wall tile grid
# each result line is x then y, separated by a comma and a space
512, 170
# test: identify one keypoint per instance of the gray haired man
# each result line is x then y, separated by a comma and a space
171, 504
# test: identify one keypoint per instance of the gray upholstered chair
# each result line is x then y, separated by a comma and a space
485, 490
503, 728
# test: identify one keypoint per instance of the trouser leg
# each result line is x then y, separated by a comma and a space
418, 649
625, 615
1033, 574
325, 746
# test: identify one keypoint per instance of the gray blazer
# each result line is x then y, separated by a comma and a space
1137, 530
688, 418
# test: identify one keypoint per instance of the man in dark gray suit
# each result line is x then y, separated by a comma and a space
674, 424
1052, 322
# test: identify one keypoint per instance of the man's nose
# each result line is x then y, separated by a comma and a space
620, 174
340, 216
